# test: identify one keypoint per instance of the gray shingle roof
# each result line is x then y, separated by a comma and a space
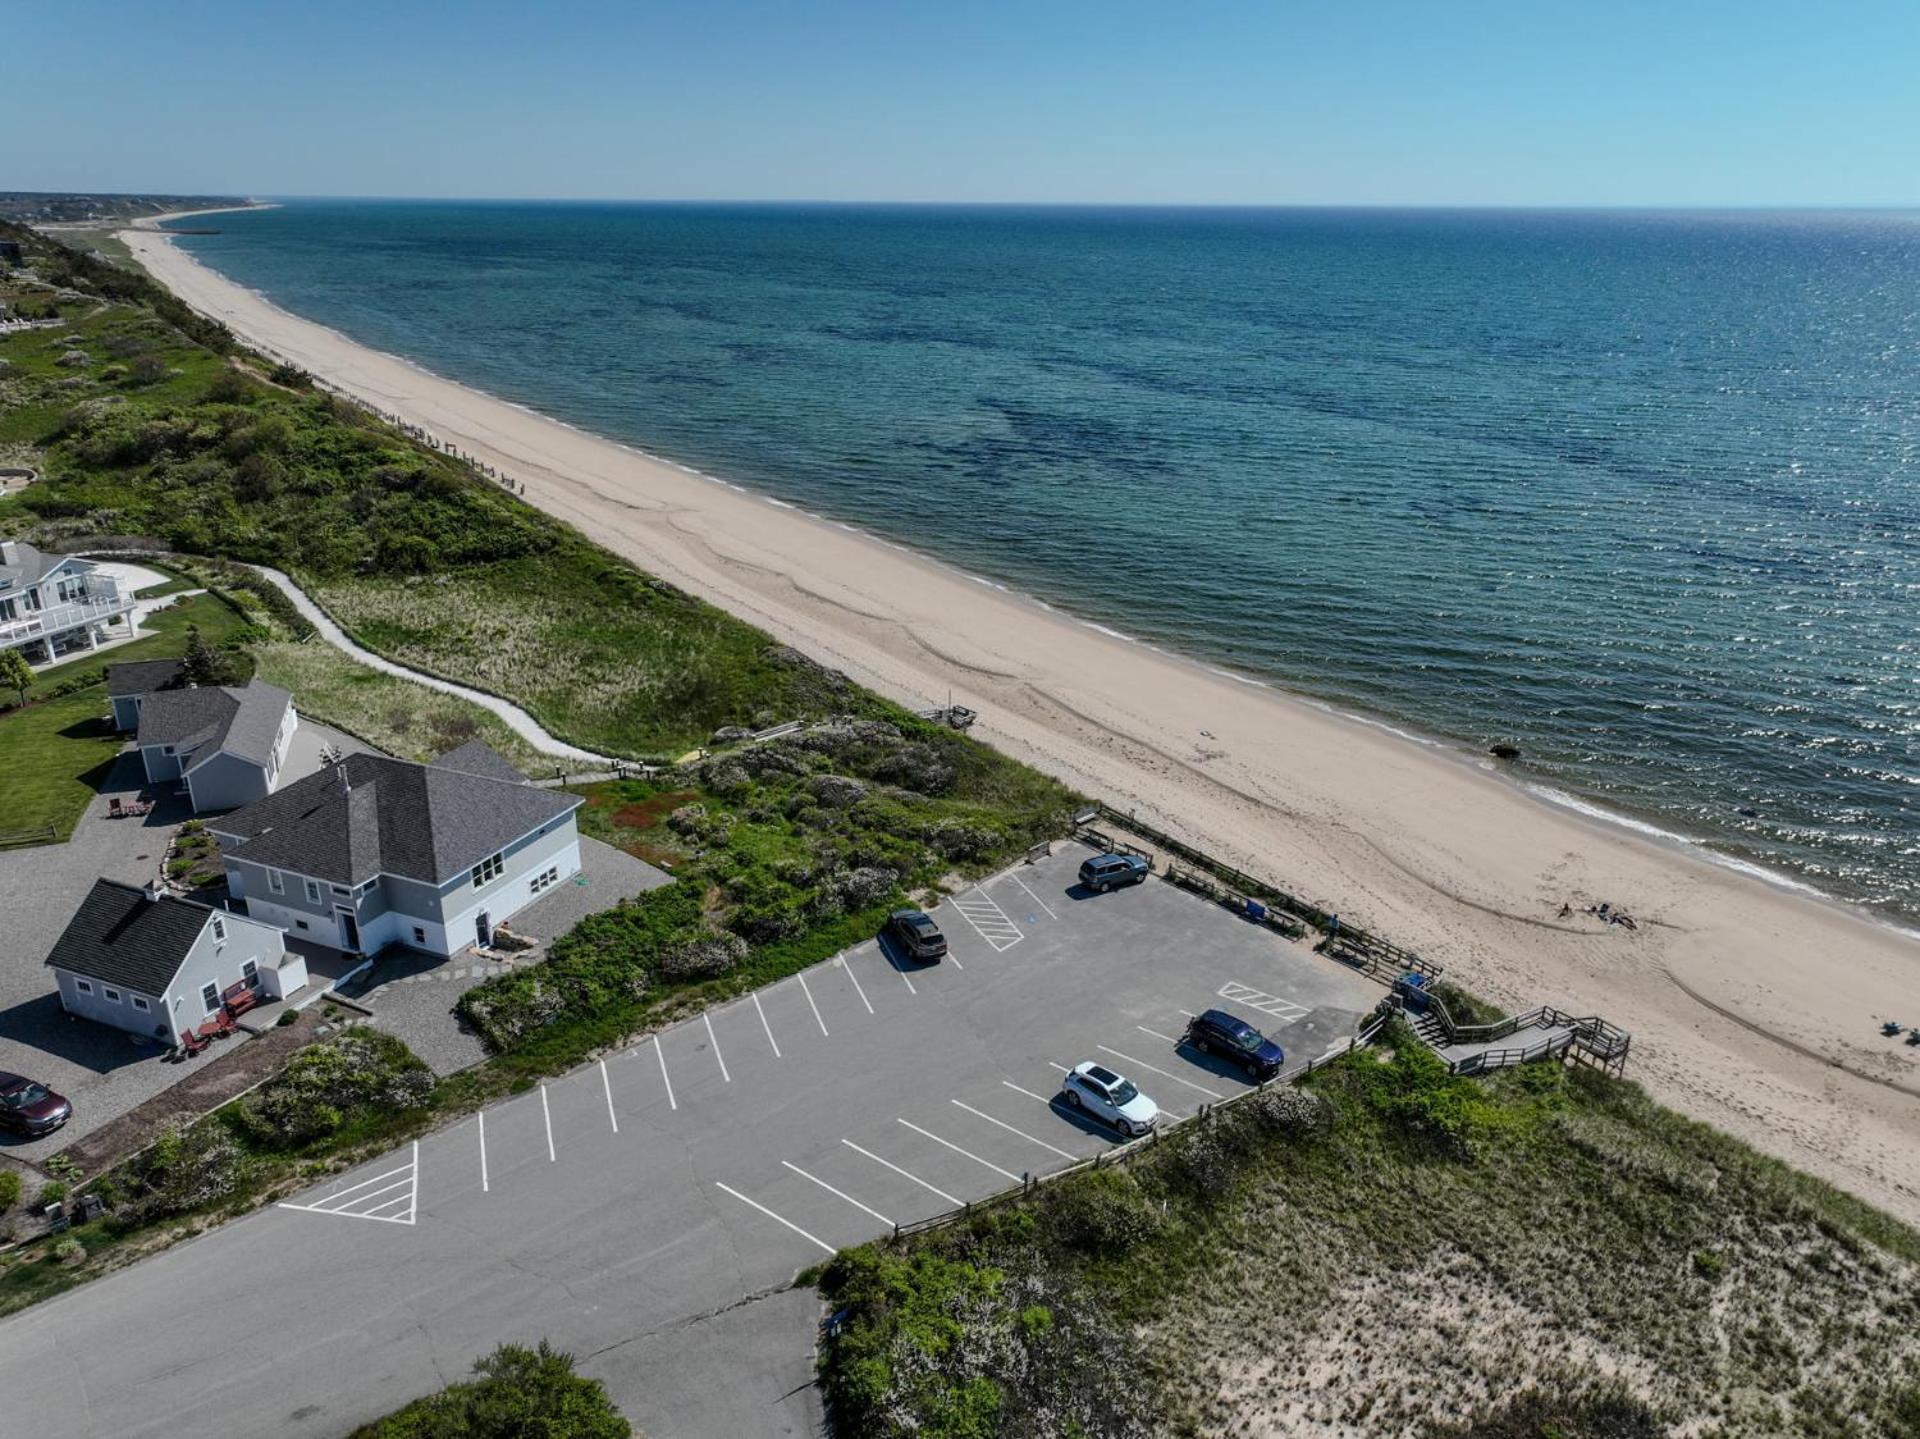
372, 815
119, 936
200, 723
476, 756
142, 677
28, 564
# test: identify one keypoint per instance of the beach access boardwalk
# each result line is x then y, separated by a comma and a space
1540, 1033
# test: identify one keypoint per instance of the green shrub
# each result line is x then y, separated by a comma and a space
328, 1085
9, 1189
520, 1393
52, 1192
187, 1168
1101, 1212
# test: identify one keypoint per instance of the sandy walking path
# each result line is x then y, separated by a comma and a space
1753, 1008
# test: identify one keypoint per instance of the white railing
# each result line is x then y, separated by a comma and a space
68, 614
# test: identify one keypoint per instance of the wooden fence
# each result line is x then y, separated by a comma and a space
1377, 958
1120, 1153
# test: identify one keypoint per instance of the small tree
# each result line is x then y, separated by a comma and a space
203, 664
15, 672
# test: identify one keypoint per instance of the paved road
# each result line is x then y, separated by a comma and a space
631, 1210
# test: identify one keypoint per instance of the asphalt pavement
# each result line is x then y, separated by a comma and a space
648, 1212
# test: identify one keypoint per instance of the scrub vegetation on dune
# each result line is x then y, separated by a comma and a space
1393, 1251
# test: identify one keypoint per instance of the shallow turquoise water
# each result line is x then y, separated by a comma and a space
1639, 493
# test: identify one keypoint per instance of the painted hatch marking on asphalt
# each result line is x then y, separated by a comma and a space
1272, 1004
989, 921
389, 1198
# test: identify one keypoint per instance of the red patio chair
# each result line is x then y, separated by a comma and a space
191, 1043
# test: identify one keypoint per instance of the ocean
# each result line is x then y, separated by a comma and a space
1636, 492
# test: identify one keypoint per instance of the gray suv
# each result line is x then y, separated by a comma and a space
1109, 871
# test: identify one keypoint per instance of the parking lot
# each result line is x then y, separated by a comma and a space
663, 1185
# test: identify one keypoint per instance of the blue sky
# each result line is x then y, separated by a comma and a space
1607, 102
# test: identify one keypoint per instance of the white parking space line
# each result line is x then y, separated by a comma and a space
761, 1011
842, 961
483, 1151
776, 1218
1235, 992
1008, 1173
904, 1174
1061, 1067
838, 1194
1034, 897
811, 1005
1164, 1074
893, 965
612, 1118
372, 1198
1028, 1092
713, 1039
1002, 1124
547, 1114
1157, 1034
672, 1103
989, 921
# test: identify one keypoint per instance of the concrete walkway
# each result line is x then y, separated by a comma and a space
522, 723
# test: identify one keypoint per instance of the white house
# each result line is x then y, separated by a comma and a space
53, 606
373, 851
157, 966
227, 744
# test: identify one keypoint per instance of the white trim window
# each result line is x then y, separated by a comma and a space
549, 877
249, 974
489, 869
419, 934
210, 997
83, 986
219, 930
276, 881
313, 891
109, 994
140, 1002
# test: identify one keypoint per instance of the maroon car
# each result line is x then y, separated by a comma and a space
29, 1107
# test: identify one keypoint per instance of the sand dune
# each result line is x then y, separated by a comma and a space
1753, 1008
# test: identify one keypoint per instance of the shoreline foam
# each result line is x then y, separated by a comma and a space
1411, 834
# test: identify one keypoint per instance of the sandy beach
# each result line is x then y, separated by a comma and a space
1754, 1008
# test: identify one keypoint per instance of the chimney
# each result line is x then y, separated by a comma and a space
154, 891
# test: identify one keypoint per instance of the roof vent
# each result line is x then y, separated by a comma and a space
153, 891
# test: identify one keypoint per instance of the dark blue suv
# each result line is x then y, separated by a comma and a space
1234, 1040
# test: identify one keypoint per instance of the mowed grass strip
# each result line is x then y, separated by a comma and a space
57, 751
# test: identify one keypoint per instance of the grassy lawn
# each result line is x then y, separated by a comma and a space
57, 750
391, 714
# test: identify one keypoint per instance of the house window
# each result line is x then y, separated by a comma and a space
250, 974
488, 870
210, 997
140, 1003
109, 994
276, 881
419, 935
85, 986
299, 924
219, 930
313, 891
343, 892
541, 881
